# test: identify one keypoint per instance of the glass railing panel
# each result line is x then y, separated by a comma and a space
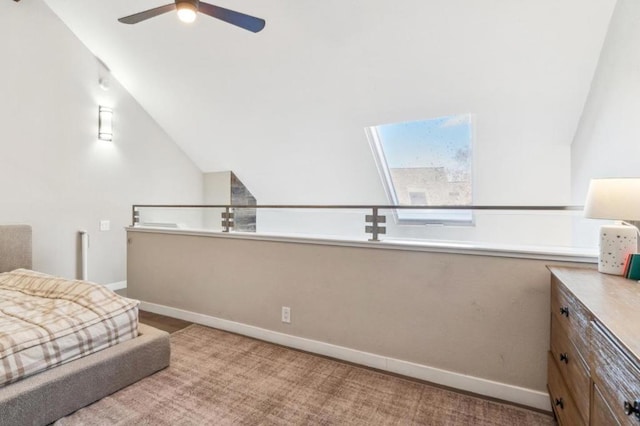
562, 229
185, 218
565, 229
336, 223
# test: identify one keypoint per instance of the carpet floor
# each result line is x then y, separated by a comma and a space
219, 378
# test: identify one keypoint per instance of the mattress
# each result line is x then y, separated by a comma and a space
47, 321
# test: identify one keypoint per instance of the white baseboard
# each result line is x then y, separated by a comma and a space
116, 286
505, 392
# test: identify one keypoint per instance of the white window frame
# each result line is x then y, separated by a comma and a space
424, 217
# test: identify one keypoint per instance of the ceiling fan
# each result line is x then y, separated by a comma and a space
188, 9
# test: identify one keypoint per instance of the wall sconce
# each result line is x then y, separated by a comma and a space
105, 121
617, 199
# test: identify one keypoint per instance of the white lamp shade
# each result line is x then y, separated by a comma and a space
613, 198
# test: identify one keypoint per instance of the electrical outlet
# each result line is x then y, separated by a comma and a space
105, 225
286, 314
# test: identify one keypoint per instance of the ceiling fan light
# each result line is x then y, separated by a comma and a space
187, 12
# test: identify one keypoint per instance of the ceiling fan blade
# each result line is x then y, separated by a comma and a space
138, 17
238, 19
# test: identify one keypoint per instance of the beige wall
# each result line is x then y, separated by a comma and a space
482, 316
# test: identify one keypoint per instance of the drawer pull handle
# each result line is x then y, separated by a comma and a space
632, 408
564, 358
560, 403
564, 311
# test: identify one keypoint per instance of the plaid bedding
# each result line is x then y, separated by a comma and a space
46, 321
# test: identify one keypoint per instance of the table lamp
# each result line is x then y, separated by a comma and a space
617, 199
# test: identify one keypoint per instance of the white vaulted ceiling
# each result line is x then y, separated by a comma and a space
285, 108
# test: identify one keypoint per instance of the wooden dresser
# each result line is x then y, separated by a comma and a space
594, 359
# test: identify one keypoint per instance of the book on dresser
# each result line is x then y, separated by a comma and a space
633, 267
594, 356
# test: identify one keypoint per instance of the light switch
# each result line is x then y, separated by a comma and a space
105, 225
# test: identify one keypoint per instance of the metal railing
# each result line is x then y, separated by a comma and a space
374, 222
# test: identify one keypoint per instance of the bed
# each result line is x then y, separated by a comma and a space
43, 397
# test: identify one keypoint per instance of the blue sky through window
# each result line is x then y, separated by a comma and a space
427, 162
438, 142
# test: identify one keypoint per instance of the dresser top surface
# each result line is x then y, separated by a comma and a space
614, 301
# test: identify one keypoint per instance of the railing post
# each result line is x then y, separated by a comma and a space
135, 218
227, 219
374, 229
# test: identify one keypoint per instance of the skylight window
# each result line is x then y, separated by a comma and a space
425, 163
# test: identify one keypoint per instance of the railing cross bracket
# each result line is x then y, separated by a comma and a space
227, 220
375, 220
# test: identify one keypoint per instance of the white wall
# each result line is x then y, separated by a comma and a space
286, 108
523, 68
607, 143
54, 173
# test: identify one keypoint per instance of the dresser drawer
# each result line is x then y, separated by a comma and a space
561, 399
615, 376
572, 317
571, 366
601, 413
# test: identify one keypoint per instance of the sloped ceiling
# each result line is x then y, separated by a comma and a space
285, 108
